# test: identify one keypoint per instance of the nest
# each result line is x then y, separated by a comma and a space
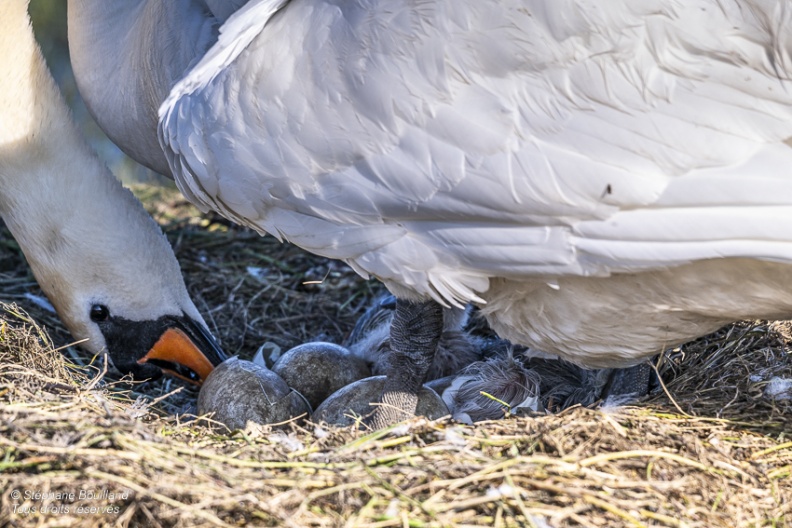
83, 449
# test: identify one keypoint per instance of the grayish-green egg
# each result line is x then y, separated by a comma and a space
238, 392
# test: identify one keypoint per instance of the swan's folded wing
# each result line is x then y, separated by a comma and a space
437, 144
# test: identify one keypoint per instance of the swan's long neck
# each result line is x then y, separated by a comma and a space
141, 48
37, 135
71, 217
26, 88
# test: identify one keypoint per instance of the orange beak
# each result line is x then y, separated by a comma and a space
174, 346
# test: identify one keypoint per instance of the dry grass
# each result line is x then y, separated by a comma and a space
715, 454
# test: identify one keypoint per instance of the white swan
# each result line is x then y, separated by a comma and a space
101, 260
605, 179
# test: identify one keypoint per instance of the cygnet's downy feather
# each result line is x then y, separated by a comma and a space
370, 340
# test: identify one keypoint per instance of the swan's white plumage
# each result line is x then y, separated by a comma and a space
601, 174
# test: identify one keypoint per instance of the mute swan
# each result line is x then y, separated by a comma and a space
101, 260
605, 179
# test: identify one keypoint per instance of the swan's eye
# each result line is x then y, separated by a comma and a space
99, 313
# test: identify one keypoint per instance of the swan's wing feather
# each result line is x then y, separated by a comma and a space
437, 144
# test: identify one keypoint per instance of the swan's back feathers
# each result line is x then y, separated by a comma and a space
436, 145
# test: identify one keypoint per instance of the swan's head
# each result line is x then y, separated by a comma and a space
101, 260
112, 276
